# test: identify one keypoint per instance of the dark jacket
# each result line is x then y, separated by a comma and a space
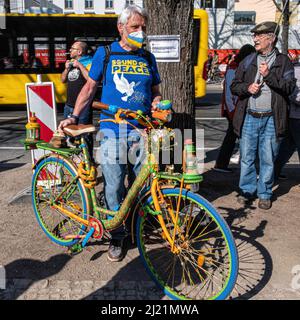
281, 81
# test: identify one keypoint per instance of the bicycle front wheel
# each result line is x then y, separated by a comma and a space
55, 184
205, 266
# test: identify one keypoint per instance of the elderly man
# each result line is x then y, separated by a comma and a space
263, 82
130, 80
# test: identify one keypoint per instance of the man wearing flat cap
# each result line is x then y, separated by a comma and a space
263, 82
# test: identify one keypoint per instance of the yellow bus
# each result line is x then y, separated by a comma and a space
35, 44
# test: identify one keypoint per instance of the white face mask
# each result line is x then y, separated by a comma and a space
136, 39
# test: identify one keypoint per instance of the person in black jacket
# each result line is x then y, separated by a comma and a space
263, 82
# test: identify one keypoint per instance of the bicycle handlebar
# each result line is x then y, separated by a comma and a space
103, 106
164, 115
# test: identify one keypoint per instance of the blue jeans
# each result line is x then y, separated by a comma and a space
86, 117
118, 157
258, 137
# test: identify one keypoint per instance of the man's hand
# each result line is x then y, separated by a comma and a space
65, 123
264, 69
254, 88
67, 64
77, 64
155, 102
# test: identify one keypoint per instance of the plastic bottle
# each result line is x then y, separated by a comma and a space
189, 158
32, 129
190, 169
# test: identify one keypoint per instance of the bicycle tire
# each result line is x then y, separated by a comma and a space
156, 254
51, 175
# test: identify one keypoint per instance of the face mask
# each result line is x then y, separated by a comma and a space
136, 39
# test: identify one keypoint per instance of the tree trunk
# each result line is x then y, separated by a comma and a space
285, 26
175, 17
6, 6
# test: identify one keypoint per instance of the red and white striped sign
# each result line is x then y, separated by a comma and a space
41, 100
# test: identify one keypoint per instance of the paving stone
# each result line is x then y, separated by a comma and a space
128, 284
43, 297
99, 284
87, 284
77, 296
21, 283
54, 290
26, 289
65, 296
62, 284
30, 295
42, 284
76, 291
131, 292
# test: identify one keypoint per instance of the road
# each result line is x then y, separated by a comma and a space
12, 128
35, 268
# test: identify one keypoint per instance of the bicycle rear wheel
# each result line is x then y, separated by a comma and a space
206, 265
54, 183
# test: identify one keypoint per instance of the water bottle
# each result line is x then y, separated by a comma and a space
190, 170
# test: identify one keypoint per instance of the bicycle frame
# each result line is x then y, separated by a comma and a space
87, 173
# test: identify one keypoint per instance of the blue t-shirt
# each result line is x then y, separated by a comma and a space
128, 82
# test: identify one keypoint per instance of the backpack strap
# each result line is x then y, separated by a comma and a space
107, 49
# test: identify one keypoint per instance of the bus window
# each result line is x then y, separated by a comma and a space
40, 59
60, 48
23, 55
6, 61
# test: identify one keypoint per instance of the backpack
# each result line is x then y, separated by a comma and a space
248, 60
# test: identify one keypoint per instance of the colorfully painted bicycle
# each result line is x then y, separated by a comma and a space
185, 244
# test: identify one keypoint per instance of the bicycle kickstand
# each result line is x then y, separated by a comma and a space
87, 237
78, 247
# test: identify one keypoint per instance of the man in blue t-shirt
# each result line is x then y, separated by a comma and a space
130, 81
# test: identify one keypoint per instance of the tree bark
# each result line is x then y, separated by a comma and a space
175, 17
285, 26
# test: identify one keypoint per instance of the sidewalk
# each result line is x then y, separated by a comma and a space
268, 246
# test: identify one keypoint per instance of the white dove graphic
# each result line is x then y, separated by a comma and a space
123, 86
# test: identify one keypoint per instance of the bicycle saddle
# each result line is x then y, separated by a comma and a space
76, 130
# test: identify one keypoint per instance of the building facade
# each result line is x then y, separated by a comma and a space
230, 21
70, 6
95, 6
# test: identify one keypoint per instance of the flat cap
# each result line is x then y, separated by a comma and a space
266, 27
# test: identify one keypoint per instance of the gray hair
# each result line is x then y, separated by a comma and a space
131, 10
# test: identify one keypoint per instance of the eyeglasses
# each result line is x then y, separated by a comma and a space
72, 48
261, 35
